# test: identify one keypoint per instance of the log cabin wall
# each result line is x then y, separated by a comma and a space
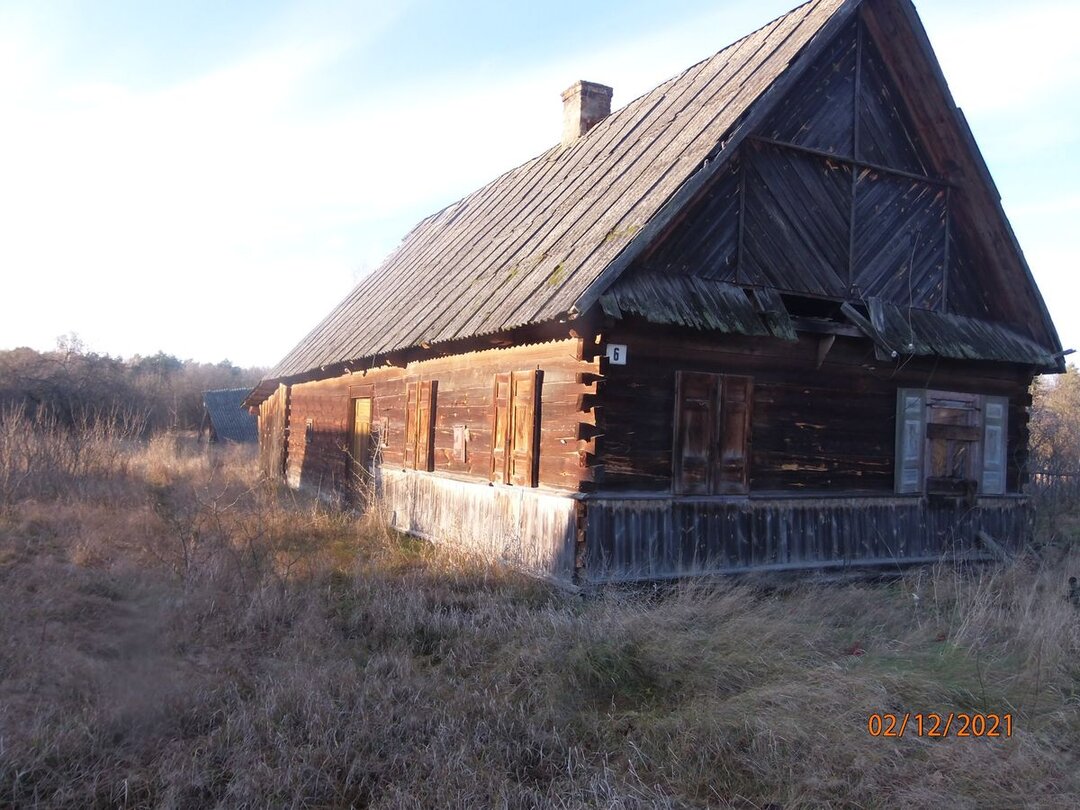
464, 401
828, 430
273, 418
821, 462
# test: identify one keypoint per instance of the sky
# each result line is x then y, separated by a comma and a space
209, 179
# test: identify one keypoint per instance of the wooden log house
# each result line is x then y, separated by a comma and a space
768, 316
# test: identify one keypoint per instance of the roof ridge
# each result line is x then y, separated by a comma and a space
535, 238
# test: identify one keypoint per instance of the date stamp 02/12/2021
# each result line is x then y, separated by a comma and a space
939, 726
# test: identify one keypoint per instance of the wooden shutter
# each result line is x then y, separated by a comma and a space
732, 466
412, 401
500, 429
425, 425
524, 435
995, 438
910, 439
695, 432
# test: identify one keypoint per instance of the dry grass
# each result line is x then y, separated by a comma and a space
176, 636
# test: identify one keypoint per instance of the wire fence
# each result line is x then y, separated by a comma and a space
1054, 493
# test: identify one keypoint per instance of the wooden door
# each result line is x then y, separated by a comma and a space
360, 454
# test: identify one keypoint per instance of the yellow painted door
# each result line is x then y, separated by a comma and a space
360, 439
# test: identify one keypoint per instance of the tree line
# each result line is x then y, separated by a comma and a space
72, 382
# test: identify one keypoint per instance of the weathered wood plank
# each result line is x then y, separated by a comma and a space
664, 538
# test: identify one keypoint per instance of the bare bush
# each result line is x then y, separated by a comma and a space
40, 456
1054, 461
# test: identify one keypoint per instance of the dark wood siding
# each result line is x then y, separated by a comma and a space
827, 429
796, 221
899, 240
819, 113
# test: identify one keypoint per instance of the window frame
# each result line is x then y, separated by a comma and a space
984, 441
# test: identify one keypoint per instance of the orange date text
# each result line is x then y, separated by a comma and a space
939, 725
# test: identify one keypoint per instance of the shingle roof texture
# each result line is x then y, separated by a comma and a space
528, 246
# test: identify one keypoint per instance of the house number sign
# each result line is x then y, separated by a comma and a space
616, 354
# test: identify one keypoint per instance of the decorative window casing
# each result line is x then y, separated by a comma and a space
711, 448
515, 428
420, 404
950, 443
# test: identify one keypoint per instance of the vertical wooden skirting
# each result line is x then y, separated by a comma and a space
658, 538
581, 525
527, 528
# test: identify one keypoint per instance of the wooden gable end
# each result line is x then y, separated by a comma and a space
843, 193
831, 197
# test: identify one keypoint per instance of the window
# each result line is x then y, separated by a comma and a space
950, 443
420, 425
712, 434
515, 428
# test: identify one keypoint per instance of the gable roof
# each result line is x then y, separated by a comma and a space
229, 418
545, 240
529, 246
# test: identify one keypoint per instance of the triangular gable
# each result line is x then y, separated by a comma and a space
922, 230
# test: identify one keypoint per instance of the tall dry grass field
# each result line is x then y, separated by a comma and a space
175, 633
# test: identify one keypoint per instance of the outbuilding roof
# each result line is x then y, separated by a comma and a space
230, 419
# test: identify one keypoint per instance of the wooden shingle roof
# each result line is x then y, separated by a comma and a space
538, 243
545, 241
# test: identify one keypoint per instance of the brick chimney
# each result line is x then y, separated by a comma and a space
585, 104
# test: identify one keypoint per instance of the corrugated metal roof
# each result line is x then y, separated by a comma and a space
231, 421
532, 245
